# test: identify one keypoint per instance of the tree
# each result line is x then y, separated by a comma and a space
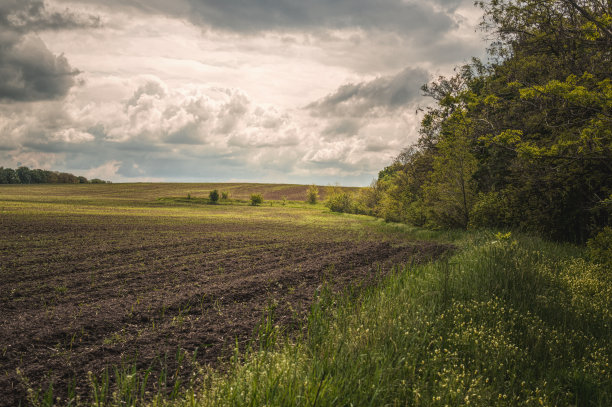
450, 191
312, 194
213, 196
24, 174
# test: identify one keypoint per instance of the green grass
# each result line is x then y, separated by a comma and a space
506, 321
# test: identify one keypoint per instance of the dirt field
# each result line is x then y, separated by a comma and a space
88, 283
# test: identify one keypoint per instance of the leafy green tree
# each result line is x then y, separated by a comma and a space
9, 176
24, 175
523, 142
450, 191
213, 196
312, 194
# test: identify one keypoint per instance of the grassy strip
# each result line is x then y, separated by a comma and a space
505, 321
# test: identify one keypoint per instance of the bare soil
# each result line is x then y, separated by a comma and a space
78, 295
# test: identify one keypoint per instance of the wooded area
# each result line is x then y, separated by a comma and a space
24, 175
521, 142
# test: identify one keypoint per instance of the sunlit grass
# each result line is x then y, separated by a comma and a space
506, 321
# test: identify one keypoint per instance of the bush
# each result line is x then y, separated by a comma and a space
213, 196
340, 202
225, 195
256, 199
600, 247
312, 194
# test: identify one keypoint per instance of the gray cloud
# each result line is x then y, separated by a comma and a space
33, 15
266, 15
379, 96
342, 127
29, 71
297, 15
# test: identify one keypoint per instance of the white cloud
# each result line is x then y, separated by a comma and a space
106, 171
71, 136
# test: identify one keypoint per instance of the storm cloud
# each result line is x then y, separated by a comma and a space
296, 15
29, 71
379, 96
291, 15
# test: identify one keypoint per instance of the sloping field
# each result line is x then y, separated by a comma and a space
93, 276
147, 192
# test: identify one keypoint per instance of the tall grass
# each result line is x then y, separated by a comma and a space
505, 321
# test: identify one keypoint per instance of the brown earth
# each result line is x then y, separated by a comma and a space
78, 295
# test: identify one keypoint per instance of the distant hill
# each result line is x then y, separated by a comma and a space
149, 191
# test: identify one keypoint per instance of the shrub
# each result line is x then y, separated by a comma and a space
312, 194
213, 196
225, 195
256, 199
340, 202
367, 199
600, 247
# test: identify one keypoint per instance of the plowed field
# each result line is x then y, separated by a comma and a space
86, 284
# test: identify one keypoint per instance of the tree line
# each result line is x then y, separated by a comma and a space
24, 175
522, 142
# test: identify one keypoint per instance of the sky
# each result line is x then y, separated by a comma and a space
284, 91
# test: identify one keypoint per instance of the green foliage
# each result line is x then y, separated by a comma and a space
600, 247
312, 194
225, 195
491, 209
213, 196
524, 142
256, 199
24, 175
98, 181
338, 200
450, 191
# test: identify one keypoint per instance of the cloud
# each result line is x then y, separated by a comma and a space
341, 128
106, 171
33, 15
255, 16
29, 71
291, 15
376, 97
